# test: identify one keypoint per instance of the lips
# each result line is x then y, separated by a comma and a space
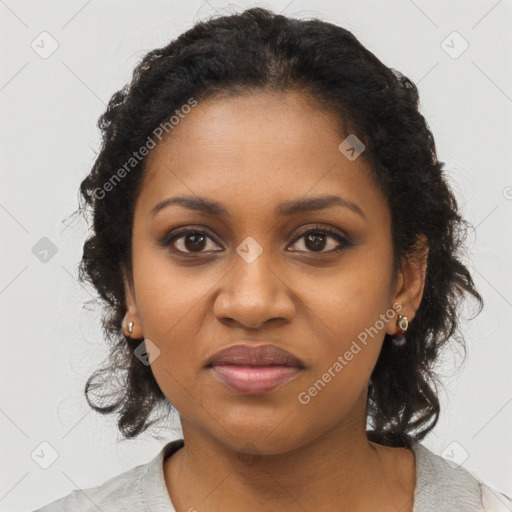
261, 355
249, 369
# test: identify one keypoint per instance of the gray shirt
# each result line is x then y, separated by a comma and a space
440, 486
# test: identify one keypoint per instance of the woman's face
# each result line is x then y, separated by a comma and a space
259, 274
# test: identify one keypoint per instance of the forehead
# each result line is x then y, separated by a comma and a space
256, 149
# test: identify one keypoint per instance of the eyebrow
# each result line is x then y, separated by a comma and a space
286, 208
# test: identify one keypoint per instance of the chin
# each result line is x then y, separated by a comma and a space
265, 441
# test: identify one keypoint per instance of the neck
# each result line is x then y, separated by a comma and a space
340, 470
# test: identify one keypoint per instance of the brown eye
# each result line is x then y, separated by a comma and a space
194, 242
317, 240
189, 241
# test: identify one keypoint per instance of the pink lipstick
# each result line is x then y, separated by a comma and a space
250, 369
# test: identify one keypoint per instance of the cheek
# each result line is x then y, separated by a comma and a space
347, 304
333, 386
168, 296
348, 318
345, 361
171, 306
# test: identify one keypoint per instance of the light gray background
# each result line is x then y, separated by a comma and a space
48, 111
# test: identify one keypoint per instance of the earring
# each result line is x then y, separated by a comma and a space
402, 323
130, 328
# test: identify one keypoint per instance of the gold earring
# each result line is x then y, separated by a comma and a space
402, 322
130, 328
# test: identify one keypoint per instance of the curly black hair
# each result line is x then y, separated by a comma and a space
254, 50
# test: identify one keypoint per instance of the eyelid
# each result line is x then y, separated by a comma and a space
185, 230
341, 238
325, 228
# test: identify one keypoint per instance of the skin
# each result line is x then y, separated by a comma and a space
250, 153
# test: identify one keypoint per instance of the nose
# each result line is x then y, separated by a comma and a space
252, 294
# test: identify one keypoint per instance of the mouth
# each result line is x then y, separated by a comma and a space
254, 379
254, 369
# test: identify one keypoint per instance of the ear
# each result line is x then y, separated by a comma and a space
410, 283
132, 314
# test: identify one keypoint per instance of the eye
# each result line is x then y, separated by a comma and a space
316, 240
189, 241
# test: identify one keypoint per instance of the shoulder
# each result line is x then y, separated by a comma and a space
140, 488
114, 494
442, 485
494, 500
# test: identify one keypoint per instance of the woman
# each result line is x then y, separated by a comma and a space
278, 251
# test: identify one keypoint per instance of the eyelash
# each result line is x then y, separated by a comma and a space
323, 230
